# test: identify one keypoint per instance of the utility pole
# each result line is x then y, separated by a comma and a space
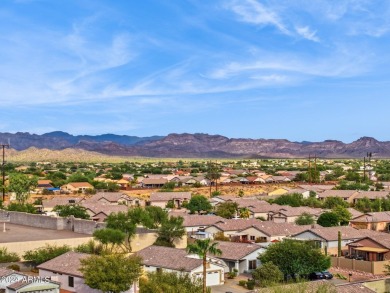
309, 170
3, 146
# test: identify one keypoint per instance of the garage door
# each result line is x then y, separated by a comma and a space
213, 278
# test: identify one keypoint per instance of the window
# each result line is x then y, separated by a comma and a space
253, 238
159, 270
252, 264
70, 281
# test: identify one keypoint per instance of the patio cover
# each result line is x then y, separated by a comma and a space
372, 249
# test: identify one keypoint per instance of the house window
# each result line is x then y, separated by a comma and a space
159, 270
252, 264
253, 238
70, 281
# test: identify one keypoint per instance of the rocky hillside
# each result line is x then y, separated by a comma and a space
198, 146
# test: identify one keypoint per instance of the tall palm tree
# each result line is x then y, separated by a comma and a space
202, 248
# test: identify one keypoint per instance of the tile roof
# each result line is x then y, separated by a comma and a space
372, 194
338, 193
199, 220
235, 224
165, 196
168, 258
347, 233
317, 188
271, 228
289, 211
354, 213
80, 184
5, 272
67, 263
30, 280
381, 238
373, 217
235, 250
154, 181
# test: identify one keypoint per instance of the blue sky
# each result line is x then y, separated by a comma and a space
300, 70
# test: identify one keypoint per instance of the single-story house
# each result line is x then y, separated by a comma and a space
76, 187
290, 214
153, 183
239, 256
198, 223
378, 221
161, 199
168, 259
371, 248
347, 195
66, 270
265, 231
371, 195
328, 236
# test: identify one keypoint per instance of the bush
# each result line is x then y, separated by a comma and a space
45, 253
250, 284
242, 283
6, 256
219, 236
267, 275
14, 267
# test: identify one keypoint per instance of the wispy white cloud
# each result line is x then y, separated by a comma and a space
254, 12
307, 33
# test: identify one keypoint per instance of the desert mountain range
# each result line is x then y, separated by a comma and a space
196, 146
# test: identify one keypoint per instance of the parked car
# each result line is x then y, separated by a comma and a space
327, 275
316, 276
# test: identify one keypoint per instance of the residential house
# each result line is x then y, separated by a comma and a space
239, 256
66, 270
378, 221
49, 204
371, 195
159, 258
161, 199
265, 231
76, 187
328, 236
317, 188
229, 226
153, 183
305, 193
371, 248
124, 184
347, 195
290, 214
99, 211
281, 179
196, 224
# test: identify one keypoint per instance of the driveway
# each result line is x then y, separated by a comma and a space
231, 285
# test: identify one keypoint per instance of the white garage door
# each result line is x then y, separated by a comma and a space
213, 278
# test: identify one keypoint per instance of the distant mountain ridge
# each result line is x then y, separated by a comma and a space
197, 145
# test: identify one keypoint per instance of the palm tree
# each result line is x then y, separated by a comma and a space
202, 248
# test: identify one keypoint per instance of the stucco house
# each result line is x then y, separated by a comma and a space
160, 199
65, 269
378, 221
347, 195
239, 256
168, 259
371, 248
76, 187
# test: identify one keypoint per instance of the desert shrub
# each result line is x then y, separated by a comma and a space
6, 256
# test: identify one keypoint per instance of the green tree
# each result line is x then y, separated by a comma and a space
293, 200
267, 275
198, 203
20, 207
6, 256
170, 204
328, 219
363, 205
227, 209
332, 202
76, 211
22, 185
91, 247
245, 213
43, 254
305, 219
343, 215
202, 248
172, 282
156, 215
122, 222
109, 237
78, 177
296, 257
168, 187
170, 230
111, 273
